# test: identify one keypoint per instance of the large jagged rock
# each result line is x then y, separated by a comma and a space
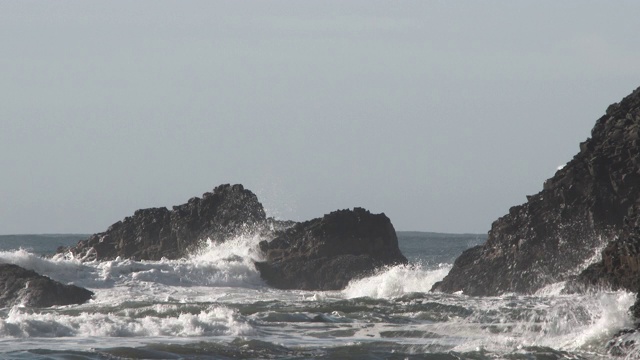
326, 253
585, 206
151, 234
19, 286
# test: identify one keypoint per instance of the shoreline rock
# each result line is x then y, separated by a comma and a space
588, 205
326, 253
319, 254
151, 234
19, 286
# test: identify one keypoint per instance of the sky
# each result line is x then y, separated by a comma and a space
441, 114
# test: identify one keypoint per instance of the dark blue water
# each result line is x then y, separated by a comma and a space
431, 249
40, 244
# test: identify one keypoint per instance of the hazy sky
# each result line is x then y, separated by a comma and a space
442, 114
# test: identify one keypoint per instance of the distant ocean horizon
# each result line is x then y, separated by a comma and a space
44, 243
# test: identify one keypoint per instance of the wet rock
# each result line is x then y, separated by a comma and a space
618, 269
588, 205
151, 234
19, 286
623, 343
326, 253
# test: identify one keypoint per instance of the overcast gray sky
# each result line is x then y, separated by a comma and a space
442, 114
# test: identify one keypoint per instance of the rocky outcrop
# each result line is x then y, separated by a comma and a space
151, 234
587, 205
19, 286
326, 253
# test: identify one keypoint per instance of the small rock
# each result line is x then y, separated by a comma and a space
19, 286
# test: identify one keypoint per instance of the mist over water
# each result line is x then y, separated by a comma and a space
213, 304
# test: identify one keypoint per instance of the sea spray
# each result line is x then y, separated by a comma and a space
63, 269
228, 263
582, 322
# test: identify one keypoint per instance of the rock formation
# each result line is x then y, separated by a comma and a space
587, 205
326, 253
19, 286
151, 234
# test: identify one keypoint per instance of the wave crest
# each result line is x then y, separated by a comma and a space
396, 281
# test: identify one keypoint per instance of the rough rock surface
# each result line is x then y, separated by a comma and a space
589, 204
151, 234
326, 253
19, 286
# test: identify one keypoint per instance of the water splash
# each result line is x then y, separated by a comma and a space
141, 322
397, 281
583, 322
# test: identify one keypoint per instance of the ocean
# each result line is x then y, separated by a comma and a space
214, 305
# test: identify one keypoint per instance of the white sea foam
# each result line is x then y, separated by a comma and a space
608, 312
63, 270
396, 281
227, 266
207, 293
118, 282
215, 264
552, 289
568, 322
211, 321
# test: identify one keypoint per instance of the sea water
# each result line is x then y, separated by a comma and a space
214, 305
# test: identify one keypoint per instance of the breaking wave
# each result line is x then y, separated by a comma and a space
396, 281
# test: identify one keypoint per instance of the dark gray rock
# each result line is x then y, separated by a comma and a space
326, 253
587, 204
19, 286
151, 234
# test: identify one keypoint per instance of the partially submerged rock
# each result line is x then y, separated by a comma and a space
589, 203
326, 253
151, 234
19, 286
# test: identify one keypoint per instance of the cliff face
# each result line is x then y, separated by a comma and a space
587, 204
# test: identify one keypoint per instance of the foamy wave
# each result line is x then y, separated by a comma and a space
63, 270
216, 264
213, 321
396, 281
552, 289
582, 322
228, 264
609, 312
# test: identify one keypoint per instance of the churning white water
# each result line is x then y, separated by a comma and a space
396, 281
213, 304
